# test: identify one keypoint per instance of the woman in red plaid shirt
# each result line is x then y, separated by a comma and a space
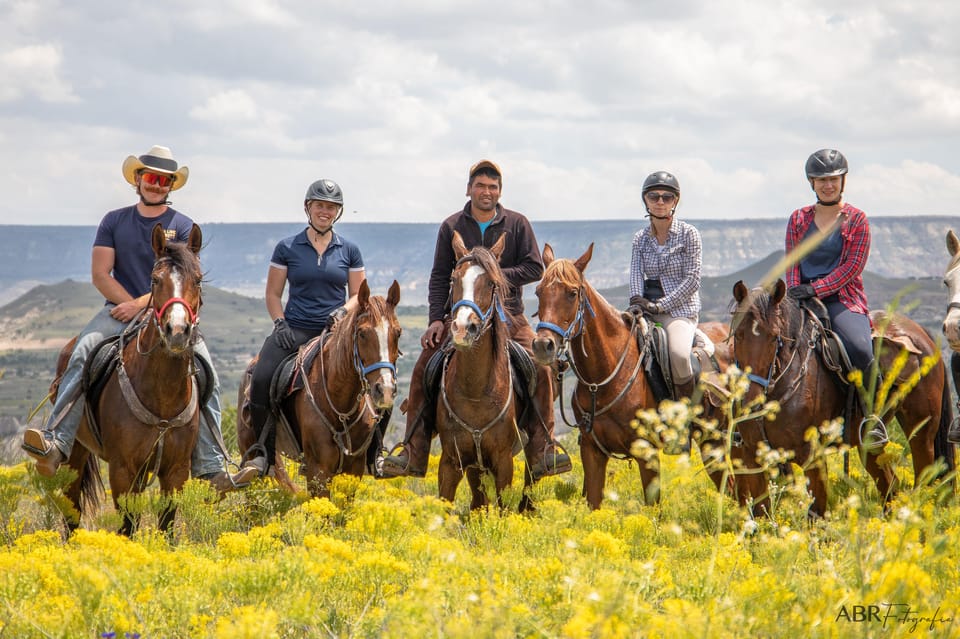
833, 271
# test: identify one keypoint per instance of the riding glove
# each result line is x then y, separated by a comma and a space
639, 305
283, 334
802, 292
335, 316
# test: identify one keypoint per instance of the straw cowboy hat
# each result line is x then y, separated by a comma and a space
157, 160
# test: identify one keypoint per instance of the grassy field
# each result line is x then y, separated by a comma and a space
389, 559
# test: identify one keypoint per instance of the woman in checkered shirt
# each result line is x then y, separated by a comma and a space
665, 274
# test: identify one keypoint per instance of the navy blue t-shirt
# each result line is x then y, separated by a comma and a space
130, 234
823, 259
318, 284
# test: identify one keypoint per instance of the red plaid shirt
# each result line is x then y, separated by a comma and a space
846, 280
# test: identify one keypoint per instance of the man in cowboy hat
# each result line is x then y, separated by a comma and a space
121, 264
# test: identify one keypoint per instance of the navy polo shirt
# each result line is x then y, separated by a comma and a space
318, 284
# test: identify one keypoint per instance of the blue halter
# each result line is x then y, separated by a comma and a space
576, 325
484, 316
761, 381
363, 370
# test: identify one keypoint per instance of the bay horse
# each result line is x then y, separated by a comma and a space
477, 409
342, 394
778, 341
146, 418
579, 327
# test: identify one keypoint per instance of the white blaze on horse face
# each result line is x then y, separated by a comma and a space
178, 312
383, 329
756, 327
951, 323
469, 285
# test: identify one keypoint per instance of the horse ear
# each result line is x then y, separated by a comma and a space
779, 290
363, 295
498, 246
584, 259
953, 244
547, 254
393, 295
740, 291
158, 239
459, 248
195, 242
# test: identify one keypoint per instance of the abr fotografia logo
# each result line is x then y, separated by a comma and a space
895, 614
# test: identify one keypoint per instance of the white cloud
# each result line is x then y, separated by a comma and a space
33, 71
396, 99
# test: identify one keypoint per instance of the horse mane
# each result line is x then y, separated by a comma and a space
482, 257
787, 312
565, 272
181, 257
342, 334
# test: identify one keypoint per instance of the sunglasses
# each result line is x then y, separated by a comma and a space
156, 178
661, 197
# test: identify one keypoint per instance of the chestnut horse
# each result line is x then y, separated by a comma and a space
777, 340
578, 326
477, 408
345, 390
146, 418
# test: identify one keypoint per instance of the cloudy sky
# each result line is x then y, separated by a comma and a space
577, 101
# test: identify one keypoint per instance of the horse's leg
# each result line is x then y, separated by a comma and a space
650, 479
78, 462
503, 473
121, 483
753, 487
448, 476
171, 482
817, 485
594, 471
478, 497
884, 477
526, 502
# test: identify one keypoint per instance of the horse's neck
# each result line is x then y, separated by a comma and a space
340, 375
153, 370
481, 367
600, 346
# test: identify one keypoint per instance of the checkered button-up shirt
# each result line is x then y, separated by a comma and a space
676, 264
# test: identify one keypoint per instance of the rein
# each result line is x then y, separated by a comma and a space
565, 355
129, 393
486, 319
361, 405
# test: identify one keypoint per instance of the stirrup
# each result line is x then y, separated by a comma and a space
873, 434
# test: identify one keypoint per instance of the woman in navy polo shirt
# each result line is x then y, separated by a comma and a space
324, 271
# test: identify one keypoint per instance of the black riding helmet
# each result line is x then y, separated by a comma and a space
661, 180
827, 163
324, 191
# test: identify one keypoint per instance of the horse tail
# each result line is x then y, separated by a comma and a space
91, 485
941, 447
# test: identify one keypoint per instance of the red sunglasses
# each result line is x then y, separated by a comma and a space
158, 179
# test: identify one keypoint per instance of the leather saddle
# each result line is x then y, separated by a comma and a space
523, 367
103, 361
656, 364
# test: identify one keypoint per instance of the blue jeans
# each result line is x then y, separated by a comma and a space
854, 331
68, 407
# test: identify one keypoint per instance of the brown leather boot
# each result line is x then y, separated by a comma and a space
39, 445
412, 460
686, 389
224, 482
